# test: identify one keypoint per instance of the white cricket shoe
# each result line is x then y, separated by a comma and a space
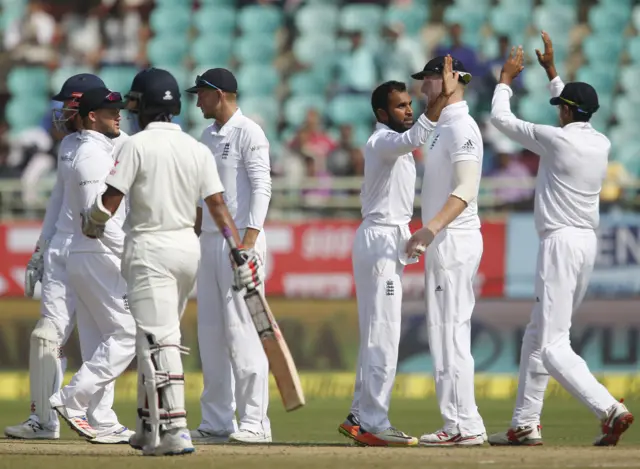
118, 435
80, 424
205, 437
443, 438
249, 436
614, 424
31, 429
172, 443
527, 435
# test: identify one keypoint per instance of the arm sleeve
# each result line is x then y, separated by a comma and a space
536, 138
210, 182
91, 172
466, 179
555, 87
256, 161
125, 168
53, 209
391, 145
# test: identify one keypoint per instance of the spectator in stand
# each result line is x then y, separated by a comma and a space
515, 194
399, 55
346, 159
311, 139
33, 38
494, 66
356, 67
465, 54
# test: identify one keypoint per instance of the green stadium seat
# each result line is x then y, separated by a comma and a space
317, 18
254, 49
621, 135
296, 107
311, 81
228, 3
616, 3
629, 79
535, 108
118, 78
602, 47
633, 49
635, 17
554, 18
265, 106
28, 80
473, 4
350, 109
629, 155
60, 75
219, 20
470, 18
167, 50
516, 4
192, 112
412, 16
566, 3
560, 45
601, 78
260, 19
361, 17
509, 21
314, 50
625, 109
257, 80
174, 19
603, 19
212, 49
25, 111
183, 76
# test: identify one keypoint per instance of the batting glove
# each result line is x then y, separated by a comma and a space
251, 273
90, 227
35, 269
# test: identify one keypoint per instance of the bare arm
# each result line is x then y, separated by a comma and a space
221, 216
111, 199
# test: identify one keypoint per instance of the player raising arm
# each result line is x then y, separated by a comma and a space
378, 256
573, 165
165, 172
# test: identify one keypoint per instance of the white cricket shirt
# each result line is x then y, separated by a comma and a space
456, 138
57, 218
388, 188
92, 164
573, 164
164, 172
241, 152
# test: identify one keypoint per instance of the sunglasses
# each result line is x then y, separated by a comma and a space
202, 82
574, 104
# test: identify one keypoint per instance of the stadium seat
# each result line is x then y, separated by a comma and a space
412, 16
516, 4
566, 3
171, 20
534, 108
229, 3
470, 18
60, 75
314, 50
560, 45
310, 81
629, 79
602, 79
509, 21
473, 4
118, 78
361, 17
633, 49
620, 135
28, 81
602, 47
317, 19
266, 107
257, 80
254, 49
216, 19
605, 20
626, 109
635, 17
260, 19
167, 50
554, 18
350, 109
16, 111
616, 3
296, 107
184, 77
212, 49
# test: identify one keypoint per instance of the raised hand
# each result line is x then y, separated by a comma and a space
512, 66
449, 77
546, 59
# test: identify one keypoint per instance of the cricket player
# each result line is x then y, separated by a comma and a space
234, 364
105, 324
379, 254
451, 234
573, 165
165, 172
48, 265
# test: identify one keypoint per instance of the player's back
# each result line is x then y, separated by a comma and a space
66, 154
166, 189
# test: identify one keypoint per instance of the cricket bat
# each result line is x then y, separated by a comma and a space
281, 362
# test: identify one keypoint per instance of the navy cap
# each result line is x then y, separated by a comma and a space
435, 66
217, 79
156, 88
78, 84
99, 98
579, 95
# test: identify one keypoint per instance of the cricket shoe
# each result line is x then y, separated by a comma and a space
205, 437
80, 424
443, 438
614, 424
172, 443
31, 429
249, 436
117, 435
527, 435
350, 427
389, 437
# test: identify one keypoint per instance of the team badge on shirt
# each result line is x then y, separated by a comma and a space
435, 140
225, 151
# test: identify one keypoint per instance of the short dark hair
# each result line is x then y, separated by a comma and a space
380, 96
579, 116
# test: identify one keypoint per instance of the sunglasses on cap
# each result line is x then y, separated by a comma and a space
465, 77
114, 96
574, 104
200, 82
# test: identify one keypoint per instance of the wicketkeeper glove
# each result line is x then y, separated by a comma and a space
35, 268
90, 226
250, 274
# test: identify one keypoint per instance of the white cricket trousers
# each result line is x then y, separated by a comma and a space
565, 262
234, 364
451, 264
107, 335
377, 272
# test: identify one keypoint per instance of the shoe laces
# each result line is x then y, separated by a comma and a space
395, 432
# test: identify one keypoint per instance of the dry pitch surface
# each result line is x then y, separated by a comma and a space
308, 439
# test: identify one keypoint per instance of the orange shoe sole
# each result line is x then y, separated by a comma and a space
368, 439
349, 431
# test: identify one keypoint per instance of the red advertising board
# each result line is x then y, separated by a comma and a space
309, 259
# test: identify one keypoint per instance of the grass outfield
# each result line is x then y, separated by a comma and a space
308, 438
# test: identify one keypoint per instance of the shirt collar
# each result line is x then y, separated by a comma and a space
454, 109
381, 126
578, 125
230, 124
162, 126
104, 141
